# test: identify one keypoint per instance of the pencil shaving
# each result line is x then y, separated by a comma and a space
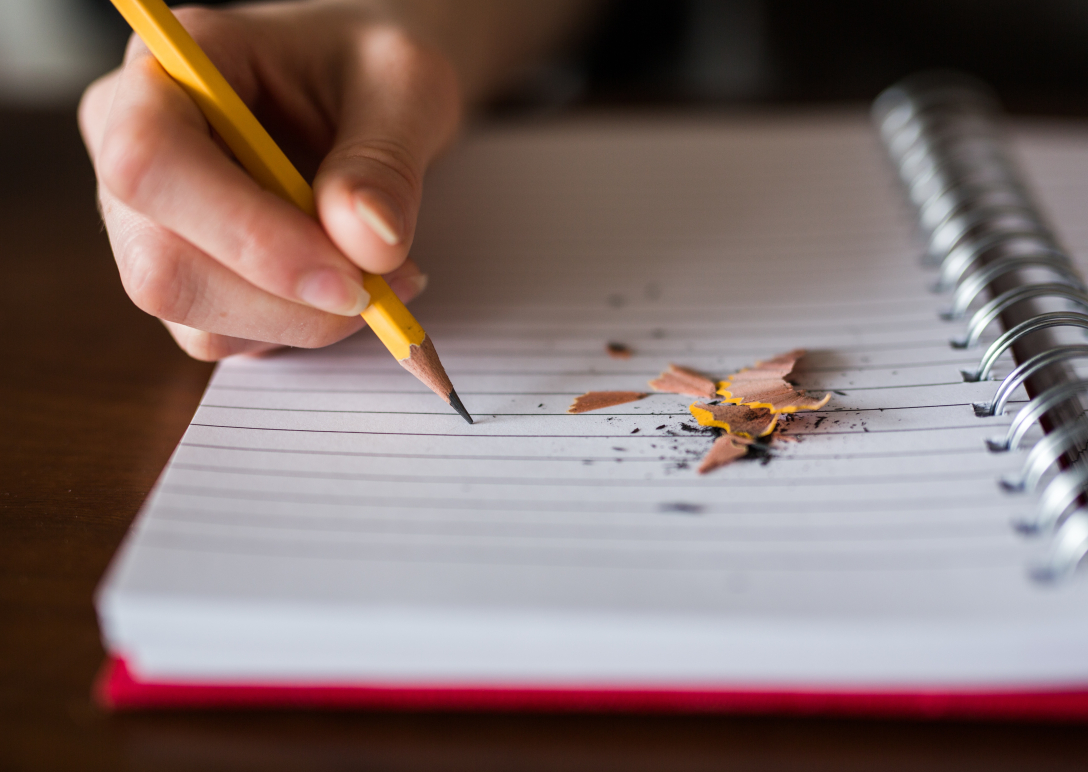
765, 386
755, 398
597, 400
747, 421
782, 364
725, 450
738, 420
680, 380
618, 351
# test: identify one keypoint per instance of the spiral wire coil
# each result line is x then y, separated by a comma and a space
979, 223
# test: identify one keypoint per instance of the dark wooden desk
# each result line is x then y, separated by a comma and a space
93, 398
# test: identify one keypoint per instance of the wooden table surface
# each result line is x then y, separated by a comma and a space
93, 398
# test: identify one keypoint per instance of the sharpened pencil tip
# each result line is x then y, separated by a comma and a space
423, 363
456, 404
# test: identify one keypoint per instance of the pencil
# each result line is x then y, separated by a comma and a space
186, 63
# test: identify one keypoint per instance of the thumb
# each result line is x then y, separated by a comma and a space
399, 108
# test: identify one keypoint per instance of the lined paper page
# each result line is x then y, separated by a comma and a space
327, 517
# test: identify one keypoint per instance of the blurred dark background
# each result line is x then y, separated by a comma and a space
1035, 53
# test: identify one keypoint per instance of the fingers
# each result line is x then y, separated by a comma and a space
210, 346
170, 278
406, 282
400, 107
211, 311
158, 158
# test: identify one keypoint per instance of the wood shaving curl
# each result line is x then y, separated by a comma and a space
680, 380
597, 400
765, 386
725, 450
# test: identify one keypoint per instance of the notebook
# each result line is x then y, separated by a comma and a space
327, 533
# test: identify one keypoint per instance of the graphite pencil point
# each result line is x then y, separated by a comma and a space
456, 404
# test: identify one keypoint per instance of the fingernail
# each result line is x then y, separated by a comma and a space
380, 214
405, 287
334, 292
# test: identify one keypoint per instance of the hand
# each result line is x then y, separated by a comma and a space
226, 265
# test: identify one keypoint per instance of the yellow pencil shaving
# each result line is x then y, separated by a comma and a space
746, 424
787, 399
765, 386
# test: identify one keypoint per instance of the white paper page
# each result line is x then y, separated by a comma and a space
325, 517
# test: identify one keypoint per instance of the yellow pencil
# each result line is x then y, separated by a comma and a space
255, 149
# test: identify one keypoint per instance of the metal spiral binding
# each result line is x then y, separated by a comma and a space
982, 228
1019, 376
979, 281
992, 311
1053, 397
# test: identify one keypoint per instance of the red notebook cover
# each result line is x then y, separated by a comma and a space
117, 688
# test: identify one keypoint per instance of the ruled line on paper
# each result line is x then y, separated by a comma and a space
803, 370
842, 387
329, 517
520, 507
813, 524
576, 482
813, 326
528, 436
657, 536
923, 562
493, 303
200, 536
564, 414
685, 414
516, 505
665, 484
292, 366
977, 449
658, 529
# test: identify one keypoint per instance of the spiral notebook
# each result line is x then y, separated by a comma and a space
327, 533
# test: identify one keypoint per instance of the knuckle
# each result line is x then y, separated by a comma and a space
256, 242
322, 331
155, 279
127, 158
322, 338
384, 160
223, 36
413, 66
94, 100
401, 52
203, 24
394, 158
397, 49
